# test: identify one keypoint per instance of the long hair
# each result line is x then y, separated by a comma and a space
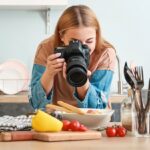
80, 16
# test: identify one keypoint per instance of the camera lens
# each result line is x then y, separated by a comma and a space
77, 77
76, 72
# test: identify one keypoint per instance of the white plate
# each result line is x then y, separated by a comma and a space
14, 76
92, 121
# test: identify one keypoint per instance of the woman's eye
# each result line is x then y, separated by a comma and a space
89, 42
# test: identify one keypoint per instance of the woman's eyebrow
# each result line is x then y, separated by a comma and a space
86, 39
73, 39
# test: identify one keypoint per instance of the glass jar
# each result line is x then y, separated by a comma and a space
141, 114
133, 118
126, 113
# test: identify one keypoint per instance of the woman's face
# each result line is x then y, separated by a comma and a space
87, 35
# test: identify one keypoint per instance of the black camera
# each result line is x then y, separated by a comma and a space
77, 57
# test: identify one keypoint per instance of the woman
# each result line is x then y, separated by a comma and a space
48, 84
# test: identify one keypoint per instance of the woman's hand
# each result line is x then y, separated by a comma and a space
88, 73
54, 64
64, 70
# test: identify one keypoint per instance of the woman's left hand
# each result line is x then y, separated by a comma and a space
88, 73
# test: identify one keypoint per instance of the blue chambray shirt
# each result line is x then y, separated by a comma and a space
96, 96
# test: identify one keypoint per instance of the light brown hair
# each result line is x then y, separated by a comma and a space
77, 16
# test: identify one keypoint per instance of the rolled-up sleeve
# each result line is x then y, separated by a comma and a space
37, 95
98, 91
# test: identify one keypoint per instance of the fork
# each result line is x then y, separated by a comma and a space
139, 76
147, 107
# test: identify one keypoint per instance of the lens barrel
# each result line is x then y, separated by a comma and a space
76, 72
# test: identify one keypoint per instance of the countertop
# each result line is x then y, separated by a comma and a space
105, 143
22, 97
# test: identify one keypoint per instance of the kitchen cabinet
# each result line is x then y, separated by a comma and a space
15, 104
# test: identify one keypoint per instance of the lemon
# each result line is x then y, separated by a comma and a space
44, 122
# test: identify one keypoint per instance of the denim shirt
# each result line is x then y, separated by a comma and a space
96, 96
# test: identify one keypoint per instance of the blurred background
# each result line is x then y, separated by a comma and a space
124, 23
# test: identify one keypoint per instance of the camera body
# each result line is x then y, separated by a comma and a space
77, 57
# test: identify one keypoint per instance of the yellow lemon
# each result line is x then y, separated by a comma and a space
44, 122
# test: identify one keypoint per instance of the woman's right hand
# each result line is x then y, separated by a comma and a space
54, 64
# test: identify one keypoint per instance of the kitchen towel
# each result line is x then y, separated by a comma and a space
11, 123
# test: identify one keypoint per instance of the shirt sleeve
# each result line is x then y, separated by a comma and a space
98, 92
37, 95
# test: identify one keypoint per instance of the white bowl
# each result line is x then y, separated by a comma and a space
92, 121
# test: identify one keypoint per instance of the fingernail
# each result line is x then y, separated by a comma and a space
58, 54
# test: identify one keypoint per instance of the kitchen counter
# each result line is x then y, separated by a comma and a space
22, 97
105, 143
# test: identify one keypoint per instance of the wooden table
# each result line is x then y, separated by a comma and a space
105, 143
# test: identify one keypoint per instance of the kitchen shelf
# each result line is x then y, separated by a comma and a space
46, 5
33, 4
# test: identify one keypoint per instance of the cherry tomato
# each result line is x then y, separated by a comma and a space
111, 131
121, 131
66, 125
82, 128
74, 125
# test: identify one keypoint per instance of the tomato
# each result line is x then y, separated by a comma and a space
74, 125
82, 128
111, 131
116, 130
66, 125
121, 131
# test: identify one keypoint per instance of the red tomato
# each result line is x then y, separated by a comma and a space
82, 128
121, 131
66, 125
111, 131
74, 125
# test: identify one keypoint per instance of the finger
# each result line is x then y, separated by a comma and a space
54, 56
64, 70
88, 73
57, 70
56, 61
58, 65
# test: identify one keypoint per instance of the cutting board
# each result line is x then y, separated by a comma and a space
49, 136
16, 136
67, 136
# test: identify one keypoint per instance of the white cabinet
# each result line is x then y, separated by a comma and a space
32, 4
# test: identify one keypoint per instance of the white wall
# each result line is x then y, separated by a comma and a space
124, 23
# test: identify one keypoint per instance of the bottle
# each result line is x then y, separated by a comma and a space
126, 113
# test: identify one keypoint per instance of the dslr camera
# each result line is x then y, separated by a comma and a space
77, 57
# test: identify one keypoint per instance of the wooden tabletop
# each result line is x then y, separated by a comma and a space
105, 143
